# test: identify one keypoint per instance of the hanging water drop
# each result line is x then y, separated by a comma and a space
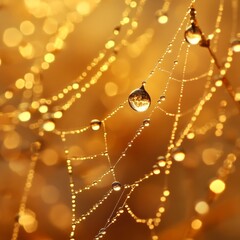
139, 100
95, 124
116, 186
162, 98
156, 169
178, 154
102, 231
193, 34
161, 161
146, 122
235, 45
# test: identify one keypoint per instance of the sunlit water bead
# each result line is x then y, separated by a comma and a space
139, 100
95, 124
178, 154
162, 98
156, 169
146, 122
235, 45
161, 161
116, 186
193, 35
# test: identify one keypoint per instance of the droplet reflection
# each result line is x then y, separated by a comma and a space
193, 35
116, 186
139, 100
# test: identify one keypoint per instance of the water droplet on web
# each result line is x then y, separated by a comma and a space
95, 124
235, 45
116, 186
193, 34
156, 169
162, 99
102, 231
161, 161
121, 210
146, 122
178, 154
139, 100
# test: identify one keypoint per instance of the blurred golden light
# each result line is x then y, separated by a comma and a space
211, 155
20, 83
27, 50
110, 44
202, 207
196, 224
45, 65
39, 9
219, 83
18, 167
111, 89
12, 37
24, 116
162, 19
60, 216
28, 221
178, 154
27, 27
118, 66
8, 94
83, 8
43, 109
217, 186
49, 157
166, 193
49, 57
58, 114
48, 126
237, 95
50, 194
191, 135
12, 140
50, 26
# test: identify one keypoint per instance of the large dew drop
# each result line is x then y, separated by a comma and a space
193, 35
116, 186
235, 45
139, 100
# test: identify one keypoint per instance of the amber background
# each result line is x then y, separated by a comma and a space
189, 180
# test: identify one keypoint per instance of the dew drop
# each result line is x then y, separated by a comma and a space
121, 210
146, 122
193, 34
116, 186
139, 100
102, 231
235, 45
161, 99
95, 124
161, 161
156, 169
178, 154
